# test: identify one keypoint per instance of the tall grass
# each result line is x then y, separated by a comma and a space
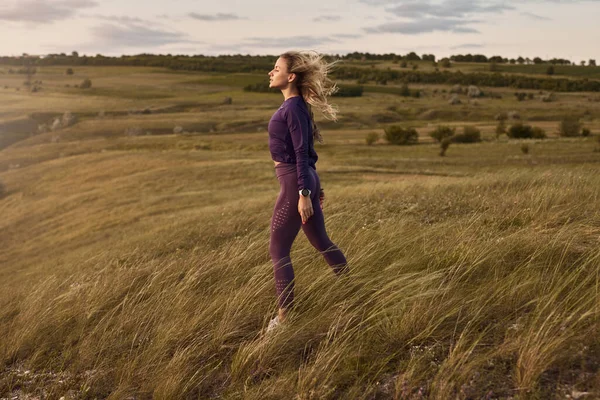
460, 288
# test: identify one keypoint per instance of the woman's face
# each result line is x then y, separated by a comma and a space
279, 76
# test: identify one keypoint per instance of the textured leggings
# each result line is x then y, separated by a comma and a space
286, 223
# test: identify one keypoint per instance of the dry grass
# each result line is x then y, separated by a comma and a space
138, 267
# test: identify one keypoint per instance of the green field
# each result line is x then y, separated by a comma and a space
135, 261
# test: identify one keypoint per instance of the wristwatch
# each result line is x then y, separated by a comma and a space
304, 192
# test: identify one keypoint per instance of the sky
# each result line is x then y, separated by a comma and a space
528, 28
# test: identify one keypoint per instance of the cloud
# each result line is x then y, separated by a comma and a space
135, 35
123, 19
535, 16
446, 9
468, 46
43, 11
346, 36
216, 17
288, 42
425, 25
323, 18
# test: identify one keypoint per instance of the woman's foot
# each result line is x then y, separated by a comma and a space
273, 324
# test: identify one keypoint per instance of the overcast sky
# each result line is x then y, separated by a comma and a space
530, 28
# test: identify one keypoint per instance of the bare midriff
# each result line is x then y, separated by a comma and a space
277, 162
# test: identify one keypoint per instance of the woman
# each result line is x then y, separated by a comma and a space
302, 79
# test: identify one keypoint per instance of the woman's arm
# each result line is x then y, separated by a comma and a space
298, 125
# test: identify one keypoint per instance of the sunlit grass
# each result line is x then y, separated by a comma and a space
139, 265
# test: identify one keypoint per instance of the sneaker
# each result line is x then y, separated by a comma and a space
273, 324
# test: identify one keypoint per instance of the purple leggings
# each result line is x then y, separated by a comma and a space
286, 223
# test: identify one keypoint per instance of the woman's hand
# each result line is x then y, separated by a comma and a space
305, 208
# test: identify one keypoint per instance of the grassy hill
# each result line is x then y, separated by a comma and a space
135, 261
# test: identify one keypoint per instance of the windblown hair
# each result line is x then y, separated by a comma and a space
311, 79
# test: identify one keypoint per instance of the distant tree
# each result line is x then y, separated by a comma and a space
586, 132
86, 84
444, 144
569, 126
371, 138
537, 60
412, 56
442, 132
500, 128
512, 61
401, 136
74, 54
592, 63
520, 131
520, 60
550, 70
582, 63
470, 134
446, 62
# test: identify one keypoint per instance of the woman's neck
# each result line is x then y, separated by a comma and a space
290, 92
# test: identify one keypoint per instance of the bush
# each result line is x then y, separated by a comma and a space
444, 144
525, 148
262, 87
371, 138
586, 132
86, 84
69, 71
550, 70
401, 136
569, 127
349, 91
520, 96
538, 133
470, 135
520, 131
442, 132
500, 128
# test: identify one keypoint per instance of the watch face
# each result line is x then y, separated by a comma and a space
305, 192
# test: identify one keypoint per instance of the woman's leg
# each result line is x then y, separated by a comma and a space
314, 229
285, 225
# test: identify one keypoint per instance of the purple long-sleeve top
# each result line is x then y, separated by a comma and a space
291, 138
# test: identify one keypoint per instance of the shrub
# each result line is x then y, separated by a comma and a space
520, 96
86, 84
372, 137
520, 131
569, 127
500, 128
444, 144
262, 87
550, 70
349, 91
69, 71
586, 132
401, 136
470, 135
525, 148
538, 133
442, 132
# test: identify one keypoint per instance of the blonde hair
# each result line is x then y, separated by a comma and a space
311, 79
